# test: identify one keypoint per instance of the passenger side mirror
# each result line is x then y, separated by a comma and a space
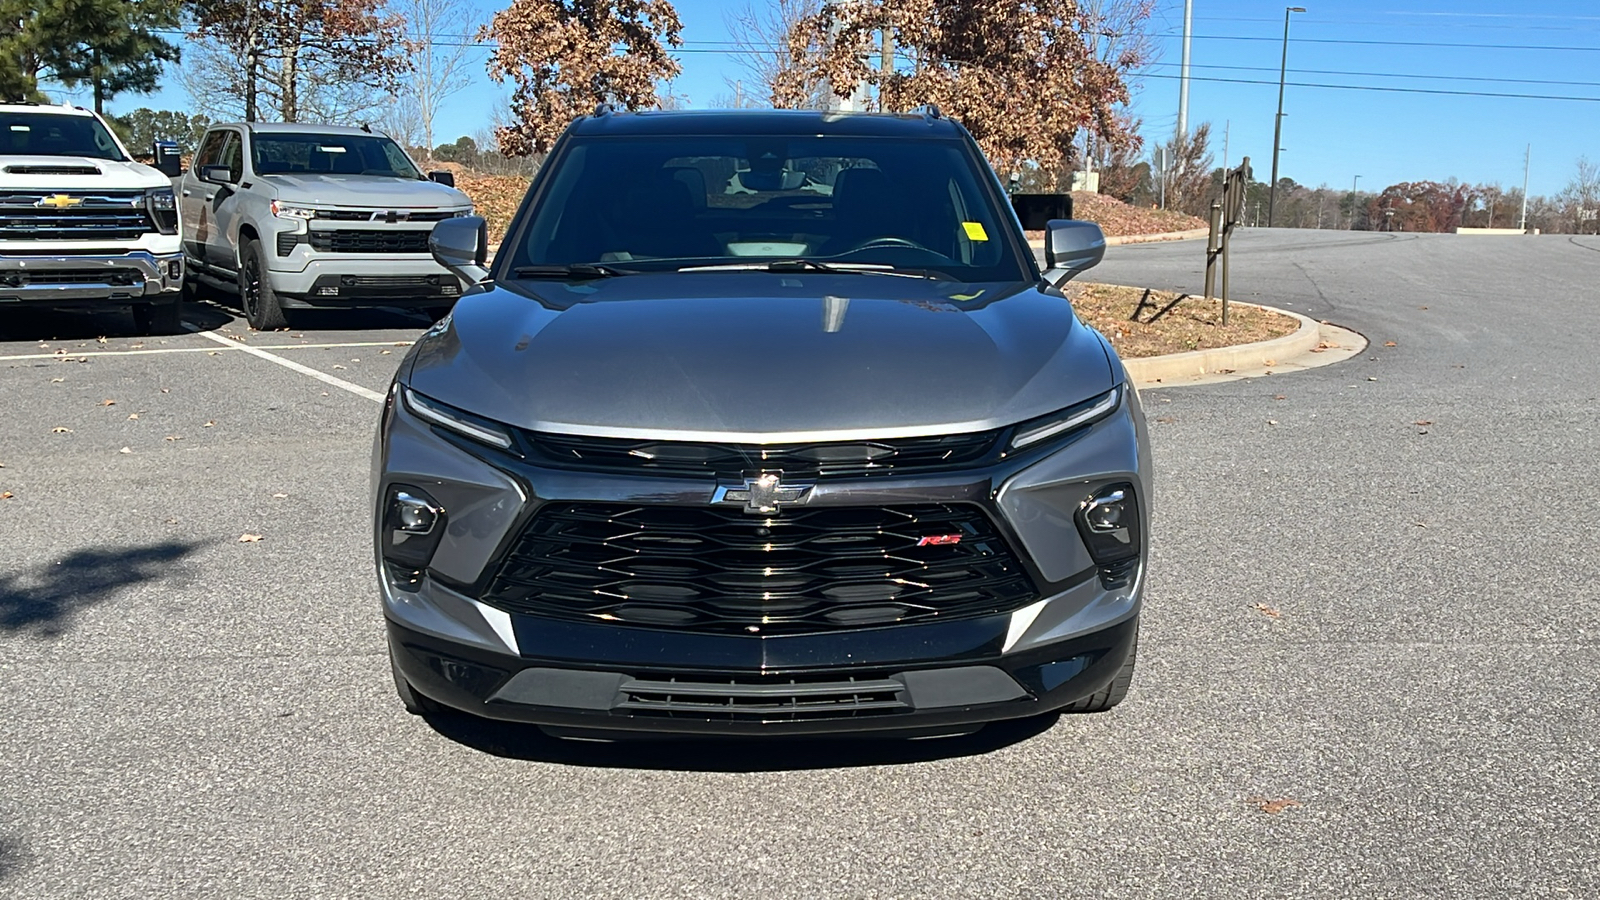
462, 246
167, 160
216, 175
444, 177
1071, 247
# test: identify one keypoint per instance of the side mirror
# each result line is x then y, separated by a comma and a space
216, 175
444, 177
1071, 247
462, 245
167, 160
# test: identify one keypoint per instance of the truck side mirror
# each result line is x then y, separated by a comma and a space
167, 160
444, 177
218, 175
1071, 247
462, 246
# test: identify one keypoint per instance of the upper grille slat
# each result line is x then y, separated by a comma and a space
369, 240
27, 216
721, 570
799, 460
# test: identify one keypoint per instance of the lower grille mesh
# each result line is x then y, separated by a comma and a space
768, 700
721, 570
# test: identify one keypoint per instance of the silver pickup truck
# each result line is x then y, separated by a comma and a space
295, 216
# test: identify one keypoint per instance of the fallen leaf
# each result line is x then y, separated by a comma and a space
1270, 363
132, 416
174, 437
166, 390
1270, 612
1319, 349
108, 402
212, 352
100, 340
1166, 420
1280, 397
1272, 421
1390, 344
125, 450
57, 380
338, 367
209, 424
236, 337
355, 360
1420, 524
1372, 378
297, 335
60, 430
61, 352
249, 538
1422, 422
6, 495
1273, 807
138, 346
403, 343
385, 352
1422, 307
279, 496
1327, 345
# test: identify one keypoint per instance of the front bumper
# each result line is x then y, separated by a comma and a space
132, 277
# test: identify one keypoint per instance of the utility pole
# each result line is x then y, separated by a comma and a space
1183, 79
1355, 198
1227, 125
1277, 126
1527, 157
885, 64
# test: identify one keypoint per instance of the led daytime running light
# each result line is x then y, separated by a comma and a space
1072, 418
445, 417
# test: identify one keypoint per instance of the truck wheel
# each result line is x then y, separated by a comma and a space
1115, 691
161, 317
260, 304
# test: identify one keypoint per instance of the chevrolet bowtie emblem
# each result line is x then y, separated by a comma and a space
60, 201
762, 493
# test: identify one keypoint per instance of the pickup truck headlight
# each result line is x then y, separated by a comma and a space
163, 209
290, 211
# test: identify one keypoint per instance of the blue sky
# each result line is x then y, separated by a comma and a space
1330, 135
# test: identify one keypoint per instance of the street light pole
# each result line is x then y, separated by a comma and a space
1183, 78
1354, 199
1277, 125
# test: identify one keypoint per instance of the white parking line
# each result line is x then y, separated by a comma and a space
231, 345
323, 377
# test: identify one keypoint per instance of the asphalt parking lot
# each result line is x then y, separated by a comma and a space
1372, 611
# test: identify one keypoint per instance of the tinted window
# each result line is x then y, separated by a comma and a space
233, 158
210, 150
329, 154
44, 134
649, 203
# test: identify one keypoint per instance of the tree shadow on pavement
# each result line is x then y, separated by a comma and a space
527, 742
42, 600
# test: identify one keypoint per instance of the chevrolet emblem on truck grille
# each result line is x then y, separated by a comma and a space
762, 493
60, 201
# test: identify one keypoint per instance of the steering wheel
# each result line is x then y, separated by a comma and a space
888, 241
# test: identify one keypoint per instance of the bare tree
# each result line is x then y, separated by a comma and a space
1580, 199
442, 32
1118, 35
761, 31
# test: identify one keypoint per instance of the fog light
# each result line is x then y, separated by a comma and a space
175, 269
411, 527
1109, 524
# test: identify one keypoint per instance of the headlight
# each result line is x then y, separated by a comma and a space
469, 211
290, 211
1092, 410
452, 419
163, 208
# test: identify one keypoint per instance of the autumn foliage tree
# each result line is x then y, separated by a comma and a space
566, 57
1019, 74
1429, 206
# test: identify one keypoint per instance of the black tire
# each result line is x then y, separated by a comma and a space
256, 296
415, 701
161, 317
1114, 692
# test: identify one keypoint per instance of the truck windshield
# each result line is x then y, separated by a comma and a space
55, 134
329, 154
655, 203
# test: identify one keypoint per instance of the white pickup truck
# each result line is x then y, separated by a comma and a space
81, 224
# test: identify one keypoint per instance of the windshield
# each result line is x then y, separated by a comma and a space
46, 134
329, 154
675, 203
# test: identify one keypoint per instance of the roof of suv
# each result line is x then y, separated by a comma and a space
767, 121
46, 108
295, 128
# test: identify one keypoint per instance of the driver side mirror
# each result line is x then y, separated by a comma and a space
167, 160
443, 176
462, 246
218, 175
1070, 248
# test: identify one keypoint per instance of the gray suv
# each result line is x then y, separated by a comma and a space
762, 423
294, 216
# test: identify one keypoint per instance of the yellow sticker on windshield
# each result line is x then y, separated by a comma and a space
975, 231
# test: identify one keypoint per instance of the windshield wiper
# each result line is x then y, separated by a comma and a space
812, 265
572, 270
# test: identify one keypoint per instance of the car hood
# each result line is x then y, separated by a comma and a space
755, 357
365, 191
115, 175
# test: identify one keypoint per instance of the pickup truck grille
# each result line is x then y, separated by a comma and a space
354, 240
710, 569
123, 277
382, 215
63, 216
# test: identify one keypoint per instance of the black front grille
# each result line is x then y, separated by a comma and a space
48, 215
811, 460
357, 240
763, 699
721, 570
105, 275
390, 281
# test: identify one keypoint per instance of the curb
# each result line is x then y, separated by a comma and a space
1189, 235
1151, 370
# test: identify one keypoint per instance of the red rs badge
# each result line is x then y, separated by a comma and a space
934, 540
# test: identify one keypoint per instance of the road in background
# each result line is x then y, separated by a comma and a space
1372, 601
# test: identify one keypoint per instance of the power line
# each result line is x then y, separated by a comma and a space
1384, 90
1394, 75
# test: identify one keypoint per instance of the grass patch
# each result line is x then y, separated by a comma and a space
1189, 324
